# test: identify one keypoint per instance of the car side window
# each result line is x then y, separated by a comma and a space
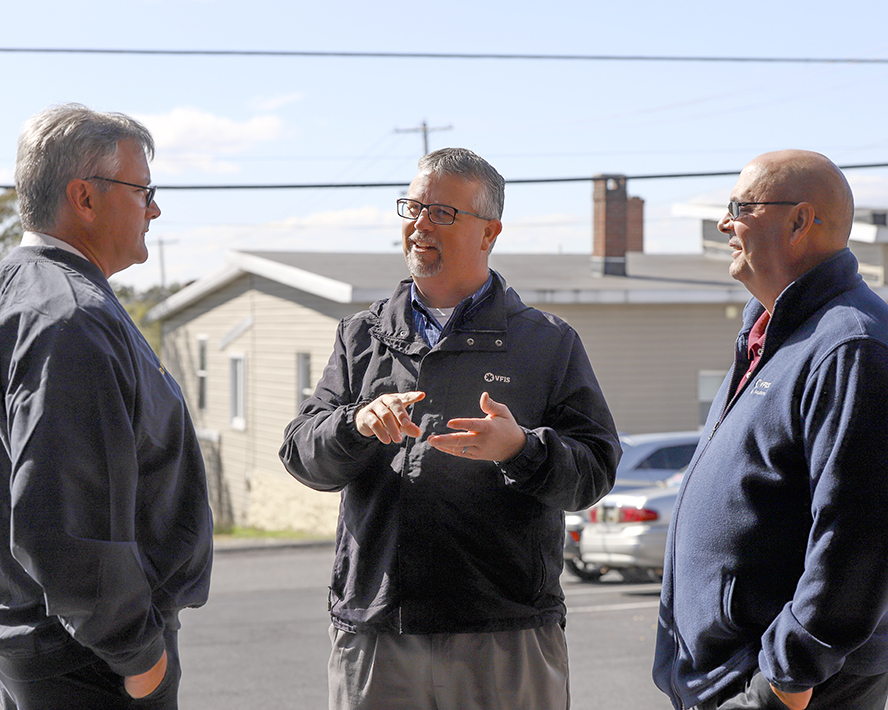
670, 457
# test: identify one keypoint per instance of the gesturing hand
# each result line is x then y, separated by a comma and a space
387, 419
496, 437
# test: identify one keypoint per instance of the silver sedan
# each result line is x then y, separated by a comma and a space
626, 531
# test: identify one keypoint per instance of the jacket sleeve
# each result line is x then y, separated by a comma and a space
322, 447
842, 594
73, 486
569, 461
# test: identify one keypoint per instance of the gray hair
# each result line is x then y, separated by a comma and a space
463, 163
63, 143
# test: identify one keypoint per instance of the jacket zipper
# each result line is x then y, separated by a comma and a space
729, 398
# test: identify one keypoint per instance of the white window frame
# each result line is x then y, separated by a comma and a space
237, 390
303, 378
203, 353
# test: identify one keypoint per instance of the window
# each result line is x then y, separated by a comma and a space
238, 392
708, 383
303, 378
671, 457
202, 372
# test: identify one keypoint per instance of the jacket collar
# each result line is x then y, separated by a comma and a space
477, 326
78, 263
803, 298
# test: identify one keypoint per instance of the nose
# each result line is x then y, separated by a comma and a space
153, 210
423, 217
726, 224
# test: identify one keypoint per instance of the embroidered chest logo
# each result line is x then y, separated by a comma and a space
760, 389
490, 377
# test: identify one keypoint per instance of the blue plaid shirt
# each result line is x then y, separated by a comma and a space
426, 324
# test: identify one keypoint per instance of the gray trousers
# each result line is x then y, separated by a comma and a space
503, 670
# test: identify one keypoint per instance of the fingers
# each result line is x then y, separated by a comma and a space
495, 437
140, 686
794, 701
491, 407
387, 418
465, 445
494, 411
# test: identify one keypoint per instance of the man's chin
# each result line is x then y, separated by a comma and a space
737, 270
422, 268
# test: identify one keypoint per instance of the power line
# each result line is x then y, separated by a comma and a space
443, 55
425, 130
520, 181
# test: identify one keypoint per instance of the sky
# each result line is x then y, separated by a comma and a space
259, 120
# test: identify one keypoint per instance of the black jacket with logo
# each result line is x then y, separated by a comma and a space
428, 542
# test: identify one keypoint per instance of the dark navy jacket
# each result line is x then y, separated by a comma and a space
777, 554
429, 542
105, 529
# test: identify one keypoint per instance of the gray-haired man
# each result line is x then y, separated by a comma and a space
458, 424
105, 530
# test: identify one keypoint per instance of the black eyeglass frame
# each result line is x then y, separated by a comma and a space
734, 207
427, 208
150, 190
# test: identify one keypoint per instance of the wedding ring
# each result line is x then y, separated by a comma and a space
464, 449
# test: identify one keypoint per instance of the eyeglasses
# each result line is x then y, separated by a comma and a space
150, 190
734, 207
438, 214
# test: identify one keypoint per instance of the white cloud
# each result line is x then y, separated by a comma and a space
352, 218
273, 103
191, 139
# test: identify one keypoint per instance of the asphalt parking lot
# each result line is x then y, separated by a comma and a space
262, 641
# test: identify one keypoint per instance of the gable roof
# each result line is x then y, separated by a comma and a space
539, 278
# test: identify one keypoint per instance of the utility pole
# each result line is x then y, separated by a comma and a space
160, 243
424, 129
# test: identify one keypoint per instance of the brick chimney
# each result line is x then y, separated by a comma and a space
635, 224
617, 225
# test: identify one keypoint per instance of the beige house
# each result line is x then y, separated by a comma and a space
250, 342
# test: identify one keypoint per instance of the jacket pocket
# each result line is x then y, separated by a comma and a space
729, 588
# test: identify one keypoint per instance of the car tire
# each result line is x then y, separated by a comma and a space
585, 571
637, 575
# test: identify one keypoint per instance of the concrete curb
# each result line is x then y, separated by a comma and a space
223, 545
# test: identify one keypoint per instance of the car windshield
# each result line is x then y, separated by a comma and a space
647, 460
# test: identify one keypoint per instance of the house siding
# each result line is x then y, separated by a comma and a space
249, 486
647, 359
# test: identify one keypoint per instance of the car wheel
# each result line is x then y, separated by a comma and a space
585, 571
637, 575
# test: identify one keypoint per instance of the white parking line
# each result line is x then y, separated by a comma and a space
612, 607
582, 590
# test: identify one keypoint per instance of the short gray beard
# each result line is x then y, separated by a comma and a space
422, 269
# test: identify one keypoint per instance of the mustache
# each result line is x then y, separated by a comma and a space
417, 238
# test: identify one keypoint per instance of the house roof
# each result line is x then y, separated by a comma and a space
868, 226
538, 278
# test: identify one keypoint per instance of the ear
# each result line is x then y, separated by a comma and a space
80, 196
803, 221
491, 232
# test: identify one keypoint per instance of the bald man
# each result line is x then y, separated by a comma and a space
775, 585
